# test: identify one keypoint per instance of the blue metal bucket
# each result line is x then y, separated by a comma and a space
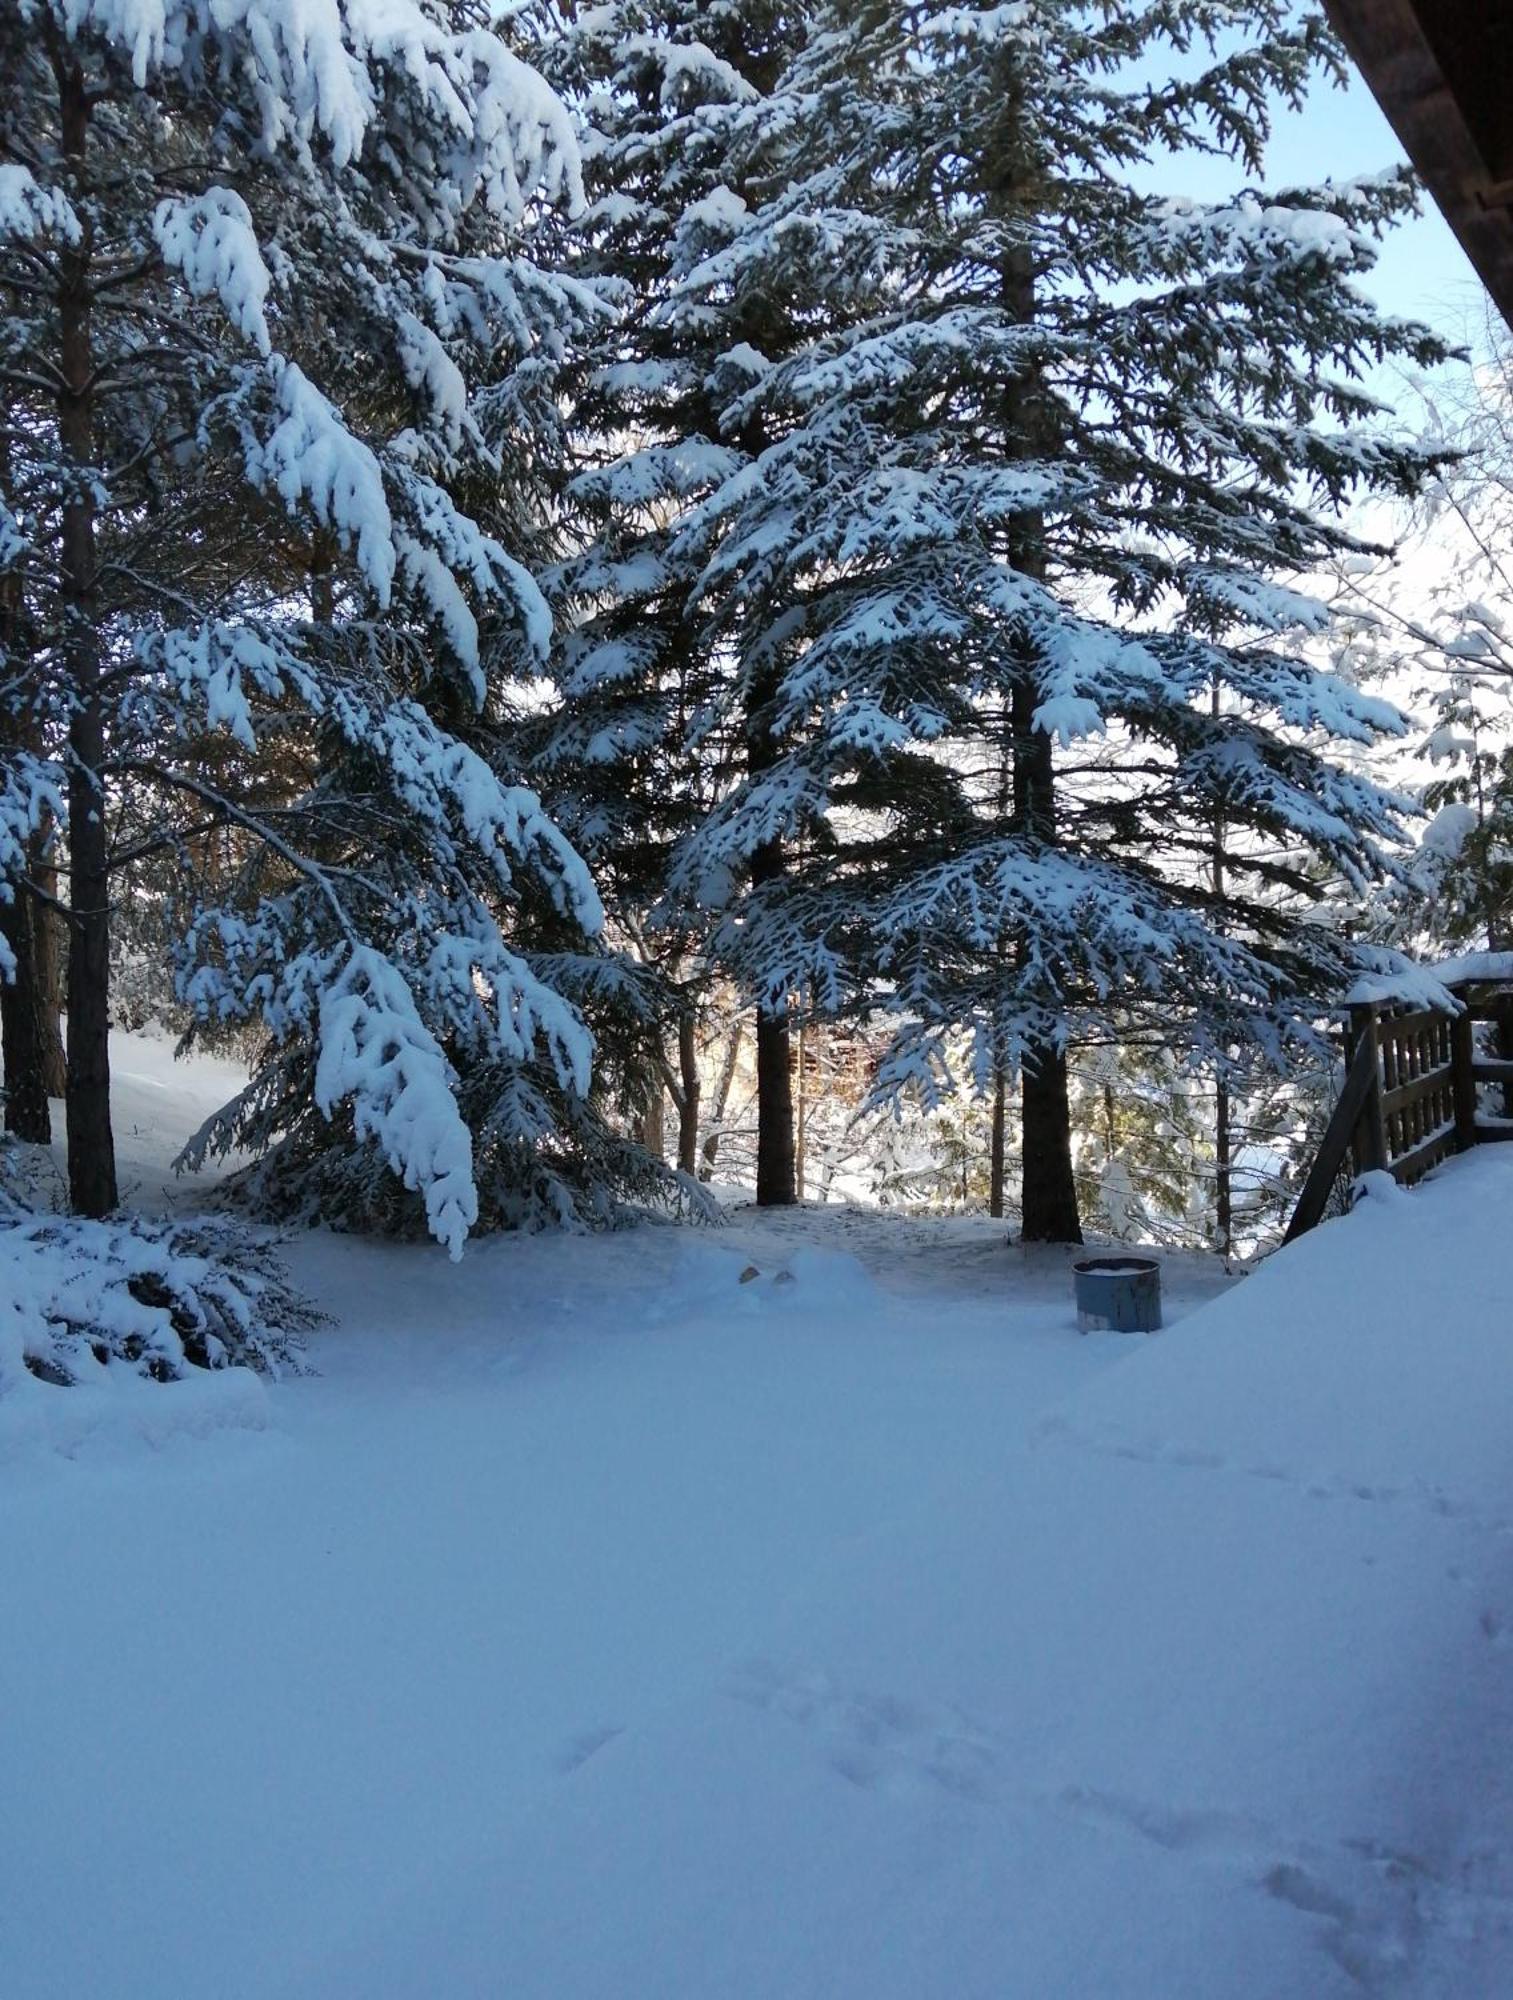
1118, 1292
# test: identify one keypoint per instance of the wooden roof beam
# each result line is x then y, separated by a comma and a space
1442, 71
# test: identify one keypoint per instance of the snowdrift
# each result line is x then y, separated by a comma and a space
597, 1625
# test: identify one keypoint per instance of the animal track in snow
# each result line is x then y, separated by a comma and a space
1367, 1896
577, 1750
1150, 1451
1229, 1836
880, 1742
1364, 1898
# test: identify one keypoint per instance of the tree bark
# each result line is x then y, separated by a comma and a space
1048, 1195
1223, 1185
653, 1131
26, 1109
776, 1182
721, 1100
1048, 1201
996, 1158
49, 942
1223, 1145
91, 1145
776, 1185
801, 1121
26, 1114
688, 1103
1050, 1192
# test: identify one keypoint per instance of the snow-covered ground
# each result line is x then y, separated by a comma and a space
594, 1624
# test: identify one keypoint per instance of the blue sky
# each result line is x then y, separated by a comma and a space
1340, 134
1423, 271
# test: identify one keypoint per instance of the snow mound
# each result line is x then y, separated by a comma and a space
713, 1280
1334, 1366
113, 1419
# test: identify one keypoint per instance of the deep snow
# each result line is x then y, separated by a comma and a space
596, 1625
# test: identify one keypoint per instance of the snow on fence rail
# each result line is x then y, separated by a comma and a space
1412, 1090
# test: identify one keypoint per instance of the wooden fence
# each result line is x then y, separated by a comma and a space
1415, 1091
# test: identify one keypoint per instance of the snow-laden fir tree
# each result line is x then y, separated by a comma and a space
267, 334
1025, 498
657, 720
1446, 619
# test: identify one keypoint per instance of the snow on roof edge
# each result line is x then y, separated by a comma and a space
1401, 981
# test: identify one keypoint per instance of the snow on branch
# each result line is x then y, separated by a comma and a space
220, 661
1391, 978
443, 780
28, 210
210, 238
1235, 595
1283, 231
31, 791
14, 542
375, 1053
337, 71
690, 71
450, 788
447, 545
481, 977
311, 456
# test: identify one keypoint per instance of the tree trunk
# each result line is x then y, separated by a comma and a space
21, 1018
1048, 1197
721, 1100
776, 1183
322, 561
91, 1145
996, 1160
48, 942
22, 1042
688, 1106
1223, 1190
801, 1125
1050, 1191
653, 1132
1048, 1202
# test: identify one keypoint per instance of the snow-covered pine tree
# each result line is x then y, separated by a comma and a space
1454, 635
1021, 502
265, 319
656, 720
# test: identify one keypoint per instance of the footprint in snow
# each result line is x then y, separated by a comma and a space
577, 1750
879, 1742
1365, 1897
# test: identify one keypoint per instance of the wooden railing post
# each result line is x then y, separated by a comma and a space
1503, 1032
1335, 1146
1371, 1133
1463, 1056
1410, 1094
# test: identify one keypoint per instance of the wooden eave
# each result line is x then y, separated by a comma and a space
1442, 71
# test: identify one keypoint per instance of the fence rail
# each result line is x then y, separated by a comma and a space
1412, 1094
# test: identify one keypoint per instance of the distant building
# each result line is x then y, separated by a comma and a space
1442, 71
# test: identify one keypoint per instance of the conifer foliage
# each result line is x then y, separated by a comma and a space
769, 488
1023, 457
267, 362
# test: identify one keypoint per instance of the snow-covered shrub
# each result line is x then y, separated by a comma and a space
29, 1176
155, 1298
